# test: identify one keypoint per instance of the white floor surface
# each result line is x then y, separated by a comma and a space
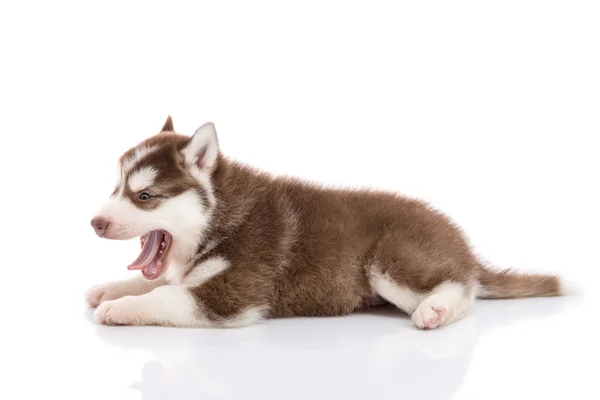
516, 349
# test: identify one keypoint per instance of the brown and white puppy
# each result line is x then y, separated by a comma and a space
225, 246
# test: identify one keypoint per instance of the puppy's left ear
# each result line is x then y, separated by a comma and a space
168, 126
203, 149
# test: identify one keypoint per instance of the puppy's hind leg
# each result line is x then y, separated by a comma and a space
398, 294
446, 303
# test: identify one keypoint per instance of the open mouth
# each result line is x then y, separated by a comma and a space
154, 253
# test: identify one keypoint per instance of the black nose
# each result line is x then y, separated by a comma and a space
100, 225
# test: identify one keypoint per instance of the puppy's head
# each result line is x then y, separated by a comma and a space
164, 195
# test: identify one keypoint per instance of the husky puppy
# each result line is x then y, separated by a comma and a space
224, 245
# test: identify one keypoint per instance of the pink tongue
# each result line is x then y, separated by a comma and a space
149, 251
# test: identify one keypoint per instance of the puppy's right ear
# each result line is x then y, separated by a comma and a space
168, 126
203, 149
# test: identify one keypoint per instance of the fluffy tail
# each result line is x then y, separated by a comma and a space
508, 284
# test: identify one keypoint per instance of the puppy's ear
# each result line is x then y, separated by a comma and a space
203, 149
168, 126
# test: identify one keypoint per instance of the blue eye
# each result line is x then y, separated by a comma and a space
144, 196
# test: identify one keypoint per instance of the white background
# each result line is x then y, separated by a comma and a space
489, 110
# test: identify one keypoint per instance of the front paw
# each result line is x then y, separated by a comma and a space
123, 311
100, 293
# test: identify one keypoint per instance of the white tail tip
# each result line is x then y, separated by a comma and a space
570, 288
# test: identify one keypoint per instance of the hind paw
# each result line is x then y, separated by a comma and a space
429, 316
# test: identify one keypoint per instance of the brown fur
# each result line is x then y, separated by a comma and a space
297, 248
301, 249
509, 284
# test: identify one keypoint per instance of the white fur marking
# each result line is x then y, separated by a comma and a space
142, 179
205, 271
570, 288
166, 305
404, 298
138, 154
247, 317
182, 216
124, 167
445, 304
134, 286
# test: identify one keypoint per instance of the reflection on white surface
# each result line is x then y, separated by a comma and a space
373, 352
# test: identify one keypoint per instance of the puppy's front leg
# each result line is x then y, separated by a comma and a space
134, 286
166, 305
182, 306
